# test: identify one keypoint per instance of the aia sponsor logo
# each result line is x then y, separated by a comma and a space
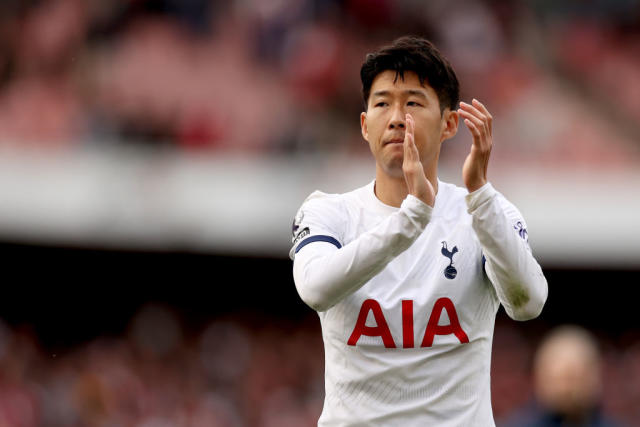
433, 324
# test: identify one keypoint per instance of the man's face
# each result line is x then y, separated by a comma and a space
383, 125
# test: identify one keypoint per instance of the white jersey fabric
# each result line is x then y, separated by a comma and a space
407, 299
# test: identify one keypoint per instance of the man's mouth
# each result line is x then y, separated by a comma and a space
394, 141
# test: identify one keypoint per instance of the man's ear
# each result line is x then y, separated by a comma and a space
363, 126
449, 124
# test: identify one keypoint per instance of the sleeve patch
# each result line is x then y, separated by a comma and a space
301, 235
296, 223
522, 231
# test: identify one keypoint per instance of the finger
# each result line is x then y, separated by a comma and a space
408, 140
409, 133
472, 110
411, 154
407, 149
410, 124
472, 127
476, 120
480, 141
481, 123
477, 135
480, 107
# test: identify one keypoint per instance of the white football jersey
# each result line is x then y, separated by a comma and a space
406, 308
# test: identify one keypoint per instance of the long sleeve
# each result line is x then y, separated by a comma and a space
515, 274
325, 272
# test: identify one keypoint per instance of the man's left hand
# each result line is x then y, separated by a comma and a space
478, 120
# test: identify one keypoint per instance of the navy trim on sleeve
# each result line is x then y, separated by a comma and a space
318, 238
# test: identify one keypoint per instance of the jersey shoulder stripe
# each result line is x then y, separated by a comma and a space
318, 238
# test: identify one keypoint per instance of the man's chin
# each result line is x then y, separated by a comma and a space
393, 168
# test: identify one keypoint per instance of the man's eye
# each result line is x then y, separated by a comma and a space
381, 104
413, 104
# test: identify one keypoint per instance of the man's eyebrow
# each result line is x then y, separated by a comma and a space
416, 92
408, 92
381, 93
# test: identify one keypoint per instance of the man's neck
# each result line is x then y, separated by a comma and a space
392, 190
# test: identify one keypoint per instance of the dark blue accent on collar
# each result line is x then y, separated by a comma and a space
318, 238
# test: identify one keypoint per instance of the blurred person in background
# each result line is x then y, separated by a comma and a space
567, 376
382, 263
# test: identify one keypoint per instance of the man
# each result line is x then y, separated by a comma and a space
567, 373
407, 272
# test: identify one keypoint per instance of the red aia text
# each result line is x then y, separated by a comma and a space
382, 329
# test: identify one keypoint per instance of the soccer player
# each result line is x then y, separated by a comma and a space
407, 272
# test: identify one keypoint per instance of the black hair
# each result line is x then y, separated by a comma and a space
410, 53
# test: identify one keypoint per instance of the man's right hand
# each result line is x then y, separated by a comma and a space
417, 182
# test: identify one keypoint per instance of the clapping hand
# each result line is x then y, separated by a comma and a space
478, 120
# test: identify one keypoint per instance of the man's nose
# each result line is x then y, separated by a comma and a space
397, 119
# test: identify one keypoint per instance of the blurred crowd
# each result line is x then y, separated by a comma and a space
281, 76
236, 371
249, 370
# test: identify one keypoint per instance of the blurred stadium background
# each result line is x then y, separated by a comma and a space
154, 152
